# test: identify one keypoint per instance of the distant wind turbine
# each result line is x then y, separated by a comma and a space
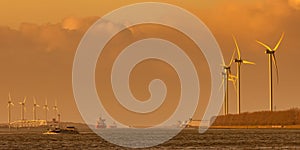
272, 58
227, 76
10, 104
239, 61
46, 109
34, 108
23, 108
55, 108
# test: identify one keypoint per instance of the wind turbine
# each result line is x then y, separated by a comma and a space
34, 108
239, 61
272, 58
55, 108
46, 109
10, 104
227, 76
22, 108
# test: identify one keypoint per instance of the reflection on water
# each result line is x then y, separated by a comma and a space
138, 138
242, 138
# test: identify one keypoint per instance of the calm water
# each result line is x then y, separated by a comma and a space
212, 139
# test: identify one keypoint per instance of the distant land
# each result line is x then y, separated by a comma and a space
263, 119
287, 117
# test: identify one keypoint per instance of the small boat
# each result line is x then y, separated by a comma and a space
51, 132
101, 123
67, 130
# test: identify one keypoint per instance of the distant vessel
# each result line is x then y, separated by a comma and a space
113, 125
101, 123
67, 130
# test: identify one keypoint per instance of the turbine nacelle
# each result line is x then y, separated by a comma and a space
238, 60
269, 51
23, 102
244, 62
34, 103
10, 103
227, 67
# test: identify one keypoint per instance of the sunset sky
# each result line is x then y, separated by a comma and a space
38, 41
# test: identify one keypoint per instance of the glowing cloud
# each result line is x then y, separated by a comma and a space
295, 4
71, 23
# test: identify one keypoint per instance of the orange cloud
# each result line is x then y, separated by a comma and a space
295, 4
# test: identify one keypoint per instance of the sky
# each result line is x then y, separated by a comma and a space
38, 41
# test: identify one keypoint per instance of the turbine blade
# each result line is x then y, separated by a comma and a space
233, 77
234, 85
25, 99
233, 80
237, 47
277, 45
248, 62
264, 45
276, 67
232, 58
222, 84
9, 97
34, 100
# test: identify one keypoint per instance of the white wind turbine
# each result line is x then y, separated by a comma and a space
272, 58
23, 108
46, 109
10, 104
35, 105
239, 61
227, 76
55, 108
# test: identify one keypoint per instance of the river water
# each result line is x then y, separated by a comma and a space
187, 139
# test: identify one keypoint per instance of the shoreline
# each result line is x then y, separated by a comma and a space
257, 127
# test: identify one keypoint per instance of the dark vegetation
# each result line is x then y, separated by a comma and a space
287, 117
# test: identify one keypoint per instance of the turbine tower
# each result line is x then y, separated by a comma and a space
10, 104
23, 108
46, 109
272, 59
55, 108
227, 76
34, 108
239, 61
